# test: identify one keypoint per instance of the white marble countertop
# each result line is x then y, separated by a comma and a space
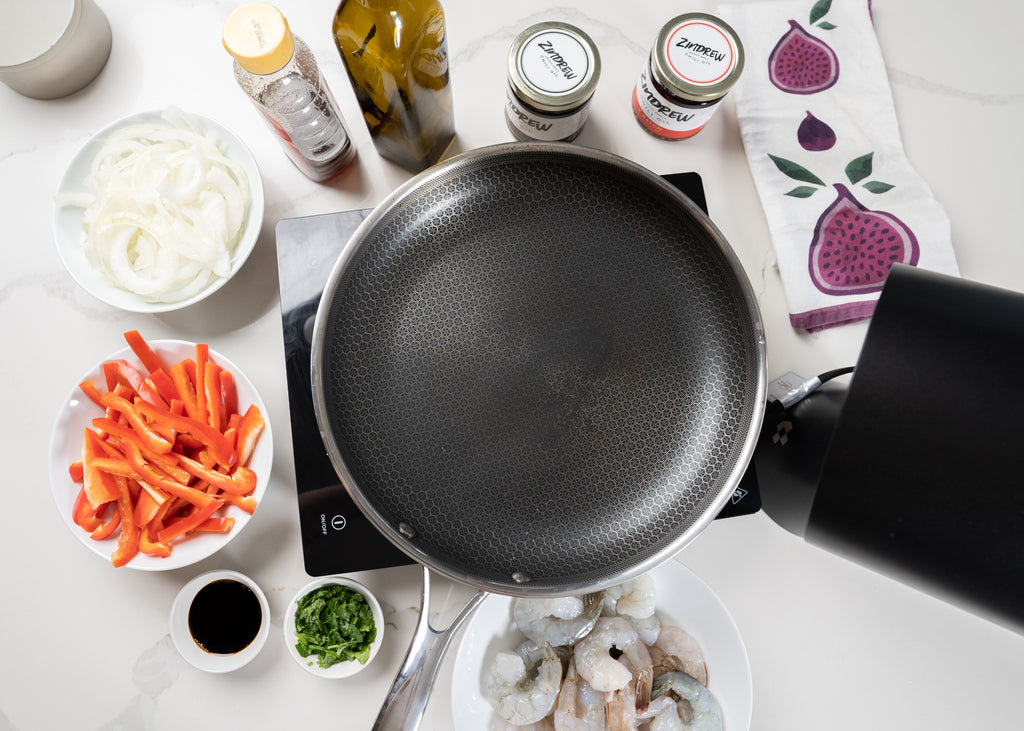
831, 645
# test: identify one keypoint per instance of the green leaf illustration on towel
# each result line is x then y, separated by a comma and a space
794, 170
820, 10
877, 187
861, 168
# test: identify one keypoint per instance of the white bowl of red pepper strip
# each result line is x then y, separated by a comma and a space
206, 482
333, 627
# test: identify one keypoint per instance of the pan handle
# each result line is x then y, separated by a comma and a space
407, 700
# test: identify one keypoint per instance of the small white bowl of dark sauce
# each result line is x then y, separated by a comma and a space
220, 621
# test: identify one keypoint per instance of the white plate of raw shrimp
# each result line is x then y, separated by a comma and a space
681, 600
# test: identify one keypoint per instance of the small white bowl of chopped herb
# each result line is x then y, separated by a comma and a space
333, 627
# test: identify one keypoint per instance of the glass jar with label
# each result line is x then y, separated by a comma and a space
553, 70
697, 58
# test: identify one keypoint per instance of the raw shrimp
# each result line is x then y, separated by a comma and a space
604, 672
707, 714
682, 648
523, 685
649, 628
633, 598
559, 622
545, 724
579, 706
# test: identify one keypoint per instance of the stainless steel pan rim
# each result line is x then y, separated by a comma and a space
407, 536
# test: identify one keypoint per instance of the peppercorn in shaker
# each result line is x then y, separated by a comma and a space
281, 77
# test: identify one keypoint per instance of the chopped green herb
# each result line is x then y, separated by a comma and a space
335, 623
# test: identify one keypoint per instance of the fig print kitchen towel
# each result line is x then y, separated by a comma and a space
819, 128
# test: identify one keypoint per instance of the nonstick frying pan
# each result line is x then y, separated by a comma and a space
539, 370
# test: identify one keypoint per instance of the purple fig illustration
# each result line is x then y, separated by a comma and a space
814, 135
802, 63
853, 247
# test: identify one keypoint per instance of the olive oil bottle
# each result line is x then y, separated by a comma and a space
396, 55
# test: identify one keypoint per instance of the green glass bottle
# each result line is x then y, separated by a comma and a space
396, 55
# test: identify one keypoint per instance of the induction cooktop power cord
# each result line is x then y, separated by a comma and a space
790, 389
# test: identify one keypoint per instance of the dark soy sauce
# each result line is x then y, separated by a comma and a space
224, 617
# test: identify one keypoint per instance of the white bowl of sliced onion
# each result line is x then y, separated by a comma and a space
158, 210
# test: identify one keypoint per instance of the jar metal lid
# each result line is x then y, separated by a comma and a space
698, 57
553, 66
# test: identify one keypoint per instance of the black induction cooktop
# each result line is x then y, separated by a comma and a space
336, 536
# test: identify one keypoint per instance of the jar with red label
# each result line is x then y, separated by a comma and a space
697, 58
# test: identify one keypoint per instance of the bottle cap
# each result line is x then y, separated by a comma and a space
553, 66
257, 35
698, 57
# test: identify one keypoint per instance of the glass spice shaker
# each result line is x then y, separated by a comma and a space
278, 72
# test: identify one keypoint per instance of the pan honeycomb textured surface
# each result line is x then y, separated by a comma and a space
543, 364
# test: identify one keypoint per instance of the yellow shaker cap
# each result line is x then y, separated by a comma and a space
257, 35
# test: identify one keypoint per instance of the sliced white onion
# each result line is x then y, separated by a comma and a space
164, 208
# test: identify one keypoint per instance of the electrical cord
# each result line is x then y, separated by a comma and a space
811, 385
834, 373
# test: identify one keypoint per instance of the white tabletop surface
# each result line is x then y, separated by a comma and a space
831, 645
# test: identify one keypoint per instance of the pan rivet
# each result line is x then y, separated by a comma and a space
406, 530
521, 577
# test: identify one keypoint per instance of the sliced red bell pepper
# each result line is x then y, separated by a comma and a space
149, 359
153, 441
217, 525
244, 502
229, 392
167, 454
211, 437
241, 480
166, 462
189, 522
138, 382
84, 514
114, 466
98, 485
155, 493
185, 387
128, 541
161, 480
89, 389
202, 356
146, 508
150, 545
110, 375
107, 529
211, 383
249, 430
168, 485
162, 380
